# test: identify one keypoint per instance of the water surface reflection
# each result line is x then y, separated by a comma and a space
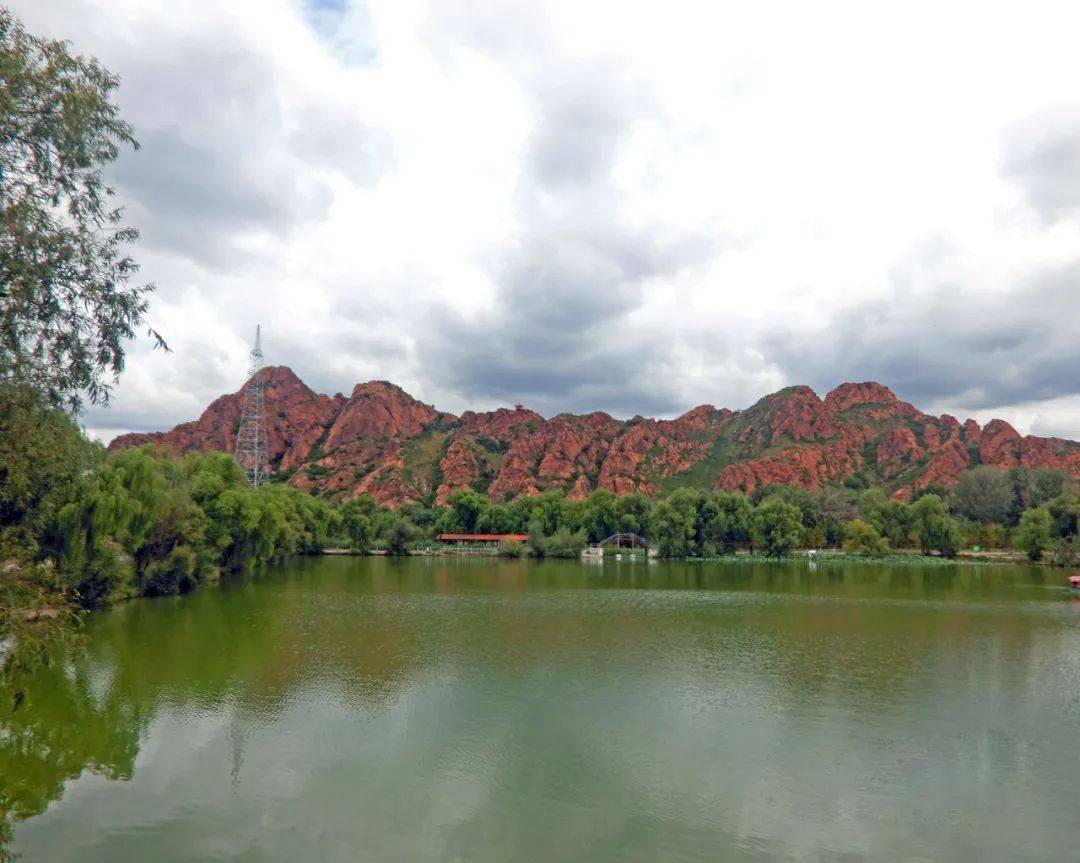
437, 709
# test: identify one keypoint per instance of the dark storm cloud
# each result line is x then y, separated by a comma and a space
951, 343
585, 371
1042, 154
576, 267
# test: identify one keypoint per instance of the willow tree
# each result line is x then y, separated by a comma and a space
67, 309
67, 305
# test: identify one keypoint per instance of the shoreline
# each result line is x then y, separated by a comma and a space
898, 556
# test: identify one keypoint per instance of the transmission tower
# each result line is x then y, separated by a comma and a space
251, 436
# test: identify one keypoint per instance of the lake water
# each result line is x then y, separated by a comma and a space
440, 709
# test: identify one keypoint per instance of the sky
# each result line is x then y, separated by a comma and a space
619, 206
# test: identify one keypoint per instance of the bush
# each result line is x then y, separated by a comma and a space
356, 521
175, 574
562, 543
108, 575
43, 458
863, 538
511, 548
1034, 533
401, 532
1064, 551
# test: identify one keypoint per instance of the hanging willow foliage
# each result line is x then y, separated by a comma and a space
66, 303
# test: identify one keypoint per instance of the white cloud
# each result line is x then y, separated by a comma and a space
614, 205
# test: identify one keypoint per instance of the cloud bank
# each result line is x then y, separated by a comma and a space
600, 206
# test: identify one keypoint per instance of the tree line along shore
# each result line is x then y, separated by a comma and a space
80, 528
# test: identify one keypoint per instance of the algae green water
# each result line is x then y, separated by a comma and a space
342, 709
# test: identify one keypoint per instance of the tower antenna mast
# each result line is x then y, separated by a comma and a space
251, 436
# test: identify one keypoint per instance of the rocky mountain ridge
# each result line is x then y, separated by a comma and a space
381, 441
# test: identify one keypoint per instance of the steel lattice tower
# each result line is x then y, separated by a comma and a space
251, 436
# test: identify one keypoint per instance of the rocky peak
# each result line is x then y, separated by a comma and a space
798, 413
1000, 444
848, 395
1000, 428
697, 418
378, 409
502, 425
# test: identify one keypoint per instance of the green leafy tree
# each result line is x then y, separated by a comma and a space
896, 523
872, 503
67, 305
731, 522
1065, 551
43, 460
600, 516
497, 518
632, 513
797, 496
671, 529
777, 526
1033, 487
467, 506
401, 532
835, 507
984, 494
890, 518
933, 526
1046, 484
423, 516
699, 510
356, 521
537, 537
1034, 534
573, 515
863, 538
550, 508
1065, 510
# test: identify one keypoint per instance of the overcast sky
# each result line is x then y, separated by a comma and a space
584, 205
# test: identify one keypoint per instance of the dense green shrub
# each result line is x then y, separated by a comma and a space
863, 538
1064, 551
563, 543
1034, 534
777, 527
399, 533
510, 548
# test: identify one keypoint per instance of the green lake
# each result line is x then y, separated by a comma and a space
444, 709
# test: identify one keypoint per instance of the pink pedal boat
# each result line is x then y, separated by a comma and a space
1074, 583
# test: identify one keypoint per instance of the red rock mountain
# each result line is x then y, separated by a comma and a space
381, 441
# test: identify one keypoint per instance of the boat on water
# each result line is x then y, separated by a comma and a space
1074, 583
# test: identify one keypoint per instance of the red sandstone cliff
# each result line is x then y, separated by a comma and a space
381, 441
